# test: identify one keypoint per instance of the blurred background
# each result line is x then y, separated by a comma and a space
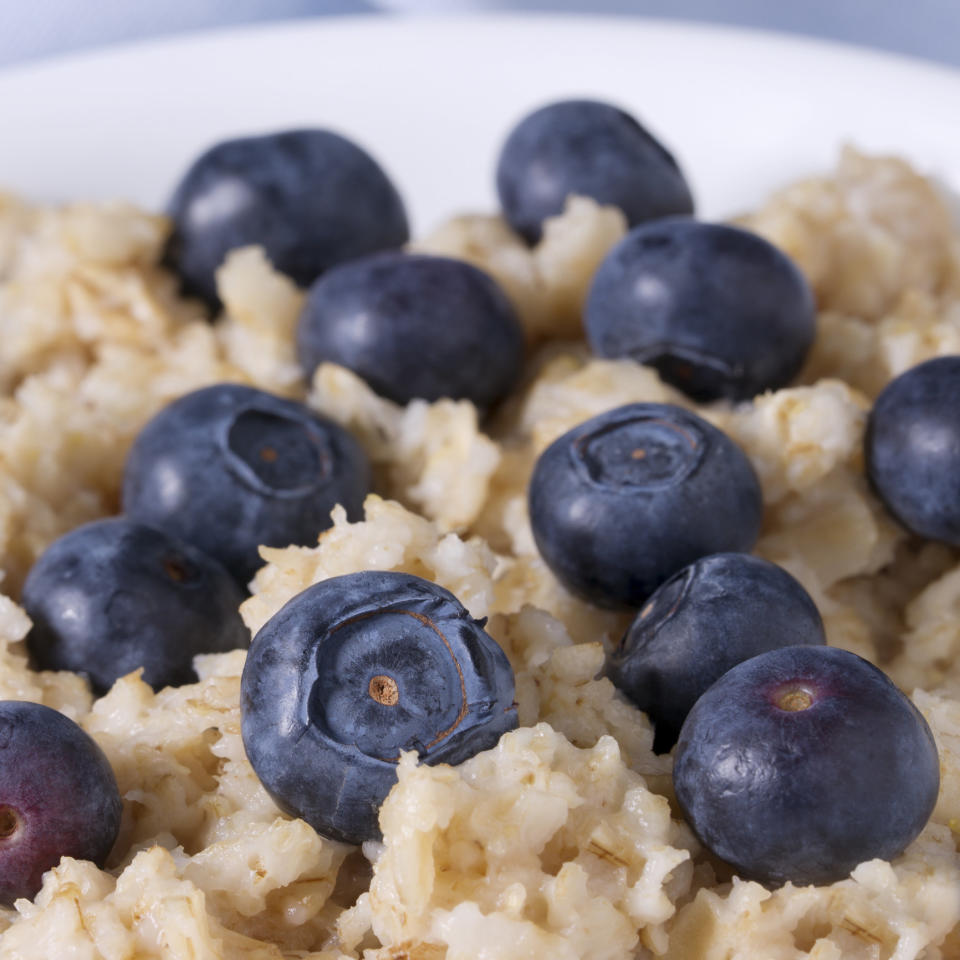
43, 28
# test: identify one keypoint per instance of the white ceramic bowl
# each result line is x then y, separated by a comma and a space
433, 98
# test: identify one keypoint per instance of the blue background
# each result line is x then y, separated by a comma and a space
31, 29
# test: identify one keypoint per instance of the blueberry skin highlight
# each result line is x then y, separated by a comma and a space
311, 198
592, 149
414, 326
354, 670
115, 595
58, 797
718, 311
707, 618
912, 448
624, 500
803, 793
228, 468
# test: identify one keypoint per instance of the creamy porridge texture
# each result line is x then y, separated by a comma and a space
564, 840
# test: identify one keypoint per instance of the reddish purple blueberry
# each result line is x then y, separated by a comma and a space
801, 763
58, 797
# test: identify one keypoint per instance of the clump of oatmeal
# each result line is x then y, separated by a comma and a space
532, 845
562, 840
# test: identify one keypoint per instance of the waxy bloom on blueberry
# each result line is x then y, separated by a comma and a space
355, 670
707, 618
621, 502
717, 310
229, 468
591, 149
310, 198
114, 595
414, 326
912, 449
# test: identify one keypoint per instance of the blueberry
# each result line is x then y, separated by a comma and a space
114, 595
311, 198
354, 670
708, 617
717, 310
591, 149
800, 763
414, 326
912, 449
58, 797
623, 501
229, 468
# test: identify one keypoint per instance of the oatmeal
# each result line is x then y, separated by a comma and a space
563, 840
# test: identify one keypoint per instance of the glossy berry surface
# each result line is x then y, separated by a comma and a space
591, 149
115, 595
912, 449
717, 310
228, 468
310, 198
354, 670
58, 797
624, 500
707, 618
414, 326
803, 762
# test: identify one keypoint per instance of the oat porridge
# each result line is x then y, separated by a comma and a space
564, 839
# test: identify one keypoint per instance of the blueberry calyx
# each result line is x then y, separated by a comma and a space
794, 697
644, 451
384, 688
275, 455
699, 374
10, 822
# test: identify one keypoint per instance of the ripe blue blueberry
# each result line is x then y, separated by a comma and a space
114, 595
228, 468
800, 763
354, 670
913, 449
311, 198
708, 617
592, 149
717, 310
58, 797
414, 326
623, 501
